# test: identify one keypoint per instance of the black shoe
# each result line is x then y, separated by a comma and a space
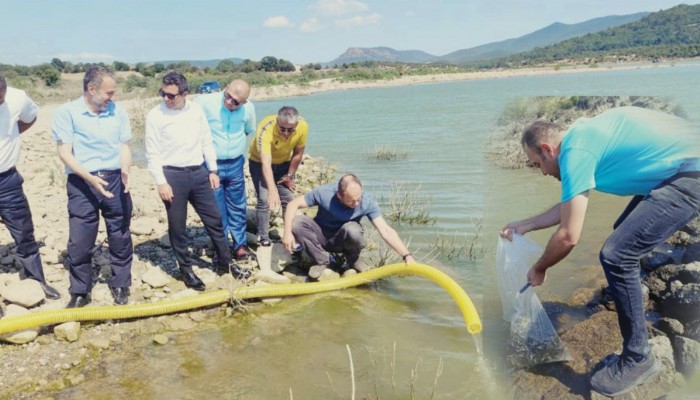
239, 273
78, 300
265, 242
192, 281
120, 294
49, 291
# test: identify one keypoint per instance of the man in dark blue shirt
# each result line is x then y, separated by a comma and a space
336, 227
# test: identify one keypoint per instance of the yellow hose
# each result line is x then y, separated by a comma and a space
471, 317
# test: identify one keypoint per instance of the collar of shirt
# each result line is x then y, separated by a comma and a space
81, 106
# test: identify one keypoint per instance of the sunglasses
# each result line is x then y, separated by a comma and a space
170, 96
286, 130
230, 98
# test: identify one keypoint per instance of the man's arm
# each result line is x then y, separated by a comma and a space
65, 153
547, 219
125, 163
392, 239
23, 126
573, 214
297, 155
268, 176
288, 238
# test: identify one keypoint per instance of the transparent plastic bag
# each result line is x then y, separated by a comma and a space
533, 339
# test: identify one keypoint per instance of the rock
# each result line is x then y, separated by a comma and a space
690, 273
76, 379
26, 293
692, 330
349, 272
692, 253
164, 241
328, 274
271, 277
687, 355
178, 323
98, 343
160, 339
19, 337
662, 254
197, 316
683, 303
69, 331
144, 226
669, 326
155, 277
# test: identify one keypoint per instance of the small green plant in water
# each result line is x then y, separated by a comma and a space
385, 152
406, 204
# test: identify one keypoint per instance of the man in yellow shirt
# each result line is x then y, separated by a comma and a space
275, 154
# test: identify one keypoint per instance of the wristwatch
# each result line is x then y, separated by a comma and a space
290, 176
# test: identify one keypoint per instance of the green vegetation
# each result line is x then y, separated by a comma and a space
460, 246
385, 152
672, 33
407, 204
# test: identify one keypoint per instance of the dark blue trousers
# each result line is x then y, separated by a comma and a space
15, 212
191, 184
84, 207
645, 223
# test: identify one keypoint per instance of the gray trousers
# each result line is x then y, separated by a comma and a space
317, 242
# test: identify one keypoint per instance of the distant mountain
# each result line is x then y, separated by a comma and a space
360, 54
669, 33
201, 63
554, 33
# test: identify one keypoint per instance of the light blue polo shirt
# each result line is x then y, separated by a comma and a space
332, 214
228, 128
626, 151
96, 138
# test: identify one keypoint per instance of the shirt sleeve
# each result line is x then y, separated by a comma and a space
29, 110
62, 126
264, 140
311, 198
206, 141
372, 209
251, 120
152, 142
577, 170
125, 125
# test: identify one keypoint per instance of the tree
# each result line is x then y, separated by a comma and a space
226, 66
48, 73
121, 66
58, 64
269, 63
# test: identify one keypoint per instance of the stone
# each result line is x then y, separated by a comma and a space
178, 323
164, 241
26, 293
98, 343
328, 274
683, 303
144, 226
690, 273
687, 353
160, 339
68, 331
155, 277
19, 337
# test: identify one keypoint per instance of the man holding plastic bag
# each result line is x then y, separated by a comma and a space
626, 151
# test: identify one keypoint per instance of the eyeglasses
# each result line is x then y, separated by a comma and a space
286, 130
230, 98
170, 96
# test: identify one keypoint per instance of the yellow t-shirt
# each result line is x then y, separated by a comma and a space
268, 140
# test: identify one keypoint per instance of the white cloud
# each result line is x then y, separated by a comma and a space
338, 7
311, 25
277, 22
86, 57
359, 20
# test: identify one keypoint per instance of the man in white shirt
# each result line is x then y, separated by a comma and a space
178, 142
17, 114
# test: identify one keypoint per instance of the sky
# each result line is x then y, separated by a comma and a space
301, 31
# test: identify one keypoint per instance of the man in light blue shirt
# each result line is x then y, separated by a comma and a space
92, 134
650, 155
231, 118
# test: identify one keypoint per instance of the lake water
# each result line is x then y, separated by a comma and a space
401, 330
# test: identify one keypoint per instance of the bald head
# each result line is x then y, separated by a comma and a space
236, 94
350, 191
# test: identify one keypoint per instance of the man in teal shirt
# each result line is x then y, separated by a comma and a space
231, 118
626, 151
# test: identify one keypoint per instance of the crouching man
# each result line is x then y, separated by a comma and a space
336, 227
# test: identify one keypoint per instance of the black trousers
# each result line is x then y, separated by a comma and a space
191, 184
84, 207
15, 212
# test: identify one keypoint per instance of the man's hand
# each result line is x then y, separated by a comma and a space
288, 181
165, 192
125, 180
536, 276
513, 227
409, 260
288, 242
214, 180
100, 184
274, 199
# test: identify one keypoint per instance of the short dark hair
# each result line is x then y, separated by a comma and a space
176, 78
539, 132
346, 180
94, 76
3, 83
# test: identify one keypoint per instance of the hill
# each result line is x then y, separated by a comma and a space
551, 34
672, 33
201, 63
382, 54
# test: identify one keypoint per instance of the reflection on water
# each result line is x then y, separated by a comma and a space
401, 329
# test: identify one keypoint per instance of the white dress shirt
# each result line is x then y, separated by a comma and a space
17, 107
177, 138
